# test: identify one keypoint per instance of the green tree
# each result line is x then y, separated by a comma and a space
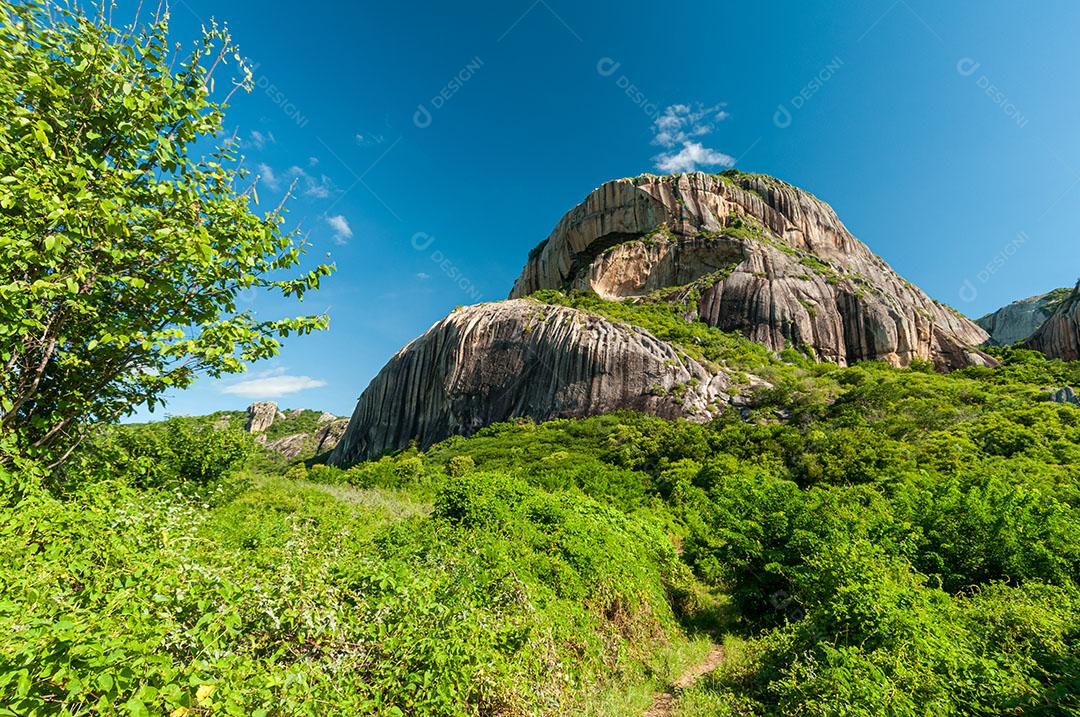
128, 229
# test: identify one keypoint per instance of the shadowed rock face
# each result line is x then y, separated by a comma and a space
1059, 337
493, 362
770, 260
1021, 319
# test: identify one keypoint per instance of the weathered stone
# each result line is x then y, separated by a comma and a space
325, 417
294, 413
289, 446
1059, 337
1065, 395
328, 436
770, 260
221, 423
1021, 319
493, 362
261, 415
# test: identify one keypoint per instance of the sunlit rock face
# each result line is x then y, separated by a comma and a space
1021, 319
743, 253
492, 362
1059, 337
770, 261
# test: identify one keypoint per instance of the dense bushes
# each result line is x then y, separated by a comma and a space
899, 542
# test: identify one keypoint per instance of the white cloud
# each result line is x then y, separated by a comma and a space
368, 139
268, 176
690, 157
258, 140
273, 386
676, 130
320, 188
342, 230
423, 276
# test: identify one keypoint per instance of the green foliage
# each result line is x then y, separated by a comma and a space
123, 250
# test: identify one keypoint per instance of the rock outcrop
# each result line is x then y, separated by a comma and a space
328, 436
493, 362
1065, 395
261, 415
1021, 319
740, 252
289, 446
1059, 337
769, 260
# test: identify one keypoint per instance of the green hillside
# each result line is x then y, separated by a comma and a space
896, 541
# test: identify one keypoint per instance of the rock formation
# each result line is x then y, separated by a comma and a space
289, 446
1021, 319
1065, 395
1059, 337
770, 261
740, 252
492, 362
261, 415
328, 436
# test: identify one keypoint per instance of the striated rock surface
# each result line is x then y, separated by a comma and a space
768, 260
1065, 395
1059, 337
493, 362
1021, 319
289, 446
261, 415
328, 436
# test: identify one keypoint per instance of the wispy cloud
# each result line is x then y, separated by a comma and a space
259, 140
676, 131
342, 230
423, 276
365, 140
268, 176
319, 188
273, 386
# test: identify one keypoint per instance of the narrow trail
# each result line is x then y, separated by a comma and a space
664, 704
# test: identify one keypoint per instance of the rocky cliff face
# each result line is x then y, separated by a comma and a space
492, 362
261, 415
768, 259
740, 252
1059, 337
1021, 319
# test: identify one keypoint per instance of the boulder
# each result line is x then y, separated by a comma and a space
289, 446
1065, 395
261, 415
328, 436
523, 359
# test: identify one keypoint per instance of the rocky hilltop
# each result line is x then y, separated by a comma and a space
1059, 337
744, 253
1021, 319
771, 261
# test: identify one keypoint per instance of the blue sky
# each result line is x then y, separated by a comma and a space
434, 147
